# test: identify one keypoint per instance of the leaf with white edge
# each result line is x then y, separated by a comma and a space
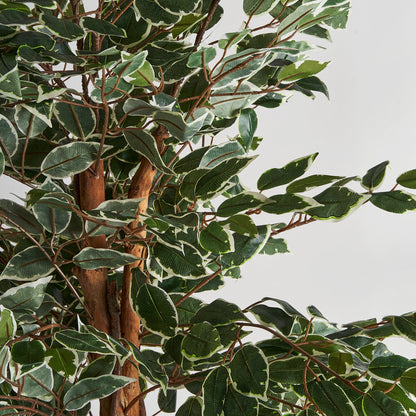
100, 366
247, 125
295, 71
406, 179
186, 263
137, 107
233, 38
192, 407
8, 326
290, 371
275, 317
241, 224
9, 77
214, 390
406, 326
242, 202
28, 352
215, 239
202, 341
219, 153
90, 258
181, 7
29, 124
374, 176
62, 28
80, 341
376, 403
27, 297
202, 57
62, 361
310, 182
69, 159
246, 247
144, 143
76, 118
274, 246
130, 65
280, 204
156, 310
48, 212
408, 380
397, 202
313, 84
29, 264
331, 399
389, 368
276, 177
17, 217
172, 121
218, 313
257, 7
8, 138
39, 384
102, 27
217, 179
142, 77
114, 89
237, 404
336, 203
250, 372
84, 391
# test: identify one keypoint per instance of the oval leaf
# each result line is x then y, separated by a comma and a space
91, 258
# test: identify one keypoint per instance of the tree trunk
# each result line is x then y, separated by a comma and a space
130, 323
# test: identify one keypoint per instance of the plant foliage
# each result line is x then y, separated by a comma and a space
136, 91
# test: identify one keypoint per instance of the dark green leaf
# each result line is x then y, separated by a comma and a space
280, 204
91, 258
215, 239
100, 366
242, 224
101, 26
62, 361
290, 371
394, 201
202, 341
274, 245
255, 7
247, 125
295, 71
8, 139
219, 312
63, 28
201, 57
237, 404
374, 176
241, 202
167, 401
276, 177
406, 179
406, 326
313, 84
310, 182
8, 326
192, 407
28, 352
250, 372
389, 368
87, 342
273, 316
214, 391
156, 310
377, 403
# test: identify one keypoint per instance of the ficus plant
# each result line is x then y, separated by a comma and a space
115, 114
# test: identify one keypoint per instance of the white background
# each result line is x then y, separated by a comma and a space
363, 266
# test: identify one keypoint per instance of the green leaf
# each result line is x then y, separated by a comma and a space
129, 65
202, 57
8, 139
219, 153
397, 202
101, 26
389, 368
310, 182
83, 341
39, 384
336, 203
219, 312
62, 361
406, 326
202, 341
180, 7
214, 390
406, 179
29, 264
76, 118
256, 7
192, 407
8, 326
2, 162
281, 204
9, 77
241, 202
331, 399
28, 352
100, 366
275, 317
69, 159
274, 245
27, 297
242, 224
276, 177
63, 28
313, 84
250, 372
290, 371
247, 125
295, 71
186, 263
374, 176
376, 403
90, 258
408, 380
237, 404
167, 402
233, 38
157, 310
142, 77
84, 391
144, 143
48, 211
172, 121
215, 239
